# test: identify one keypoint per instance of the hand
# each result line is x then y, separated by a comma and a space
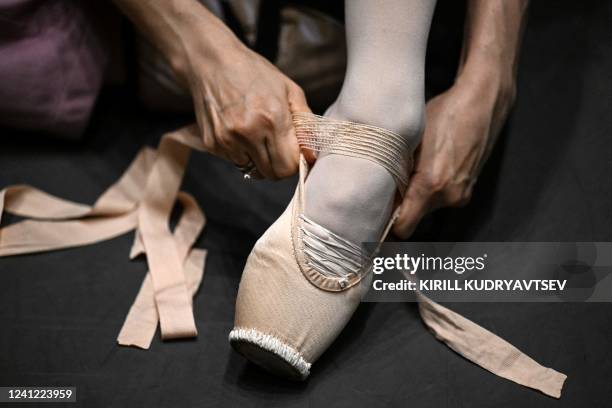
462, 126
243, 103
243, 106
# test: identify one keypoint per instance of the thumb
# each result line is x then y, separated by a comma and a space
296, 98
298, 103
415, 205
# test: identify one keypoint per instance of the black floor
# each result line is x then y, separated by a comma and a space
548, 180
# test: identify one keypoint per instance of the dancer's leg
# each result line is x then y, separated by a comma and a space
384, 86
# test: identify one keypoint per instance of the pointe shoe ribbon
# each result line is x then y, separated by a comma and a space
488, 350
140, 200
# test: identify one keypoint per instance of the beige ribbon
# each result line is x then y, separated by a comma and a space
142, 199
489, 351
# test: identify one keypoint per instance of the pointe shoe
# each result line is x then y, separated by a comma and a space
288, 311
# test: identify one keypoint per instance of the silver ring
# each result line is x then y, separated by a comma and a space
247, 169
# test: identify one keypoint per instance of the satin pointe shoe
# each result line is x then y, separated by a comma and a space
302, 283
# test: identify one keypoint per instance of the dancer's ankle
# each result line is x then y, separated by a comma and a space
405, 119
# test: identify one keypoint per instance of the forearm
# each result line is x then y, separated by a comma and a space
178, 28
491, 43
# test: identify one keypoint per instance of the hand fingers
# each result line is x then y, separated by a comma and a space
238, 156
258, 152
222, 142
298, 103
283, 149
228, 148
275, 152
296, 98
282, 144
204, 124
415, 205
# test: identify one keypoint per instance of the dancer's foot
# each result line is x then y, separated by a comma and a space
353, 197
301, 283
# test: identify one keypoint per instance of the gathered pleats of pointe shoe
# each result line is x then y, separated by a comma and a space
140, 200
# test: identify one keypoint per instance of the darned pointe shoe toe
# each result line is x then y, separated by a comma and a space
270, 353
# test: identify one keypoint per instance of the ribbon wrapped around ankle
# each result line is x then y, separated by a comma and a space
141, 200
381, 146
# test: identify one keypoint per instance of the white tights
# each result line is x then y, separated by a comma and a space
384, 87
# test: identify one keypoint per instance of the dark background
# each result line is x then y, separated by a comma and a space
548, 180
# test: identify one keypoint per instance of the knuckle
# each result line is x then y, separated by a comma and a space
435, 183
297, 90
240, 127
209, 144
276, 109
286, 170
224, 140
272, 114
267, 118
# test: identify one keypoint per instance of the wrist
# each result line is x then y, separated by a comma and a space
488, 78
